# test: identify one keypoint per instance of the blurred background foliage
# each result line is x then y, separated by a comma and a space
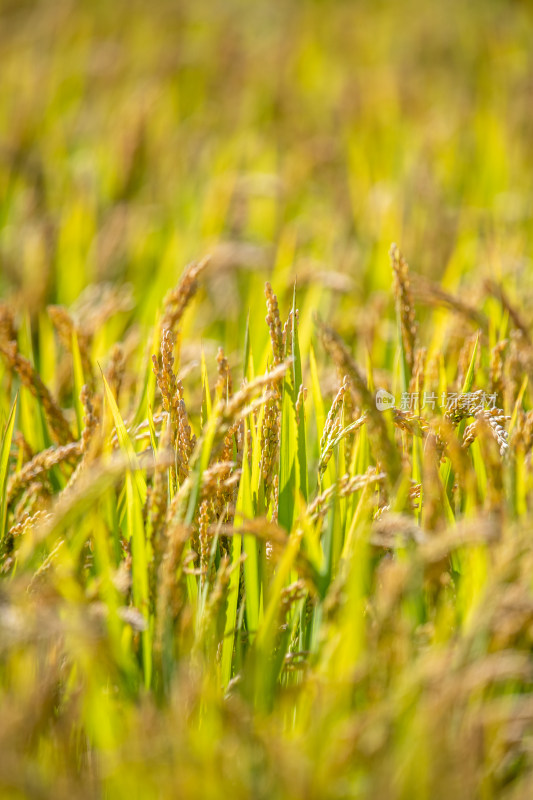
296, 137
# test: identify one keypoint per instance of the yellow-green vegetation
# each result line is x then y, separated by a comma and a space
224, 570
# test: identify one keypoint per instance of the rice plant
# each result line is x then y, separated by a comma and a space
265, 475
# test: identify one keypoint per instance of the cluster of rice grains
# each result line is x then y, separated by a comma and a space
252, 525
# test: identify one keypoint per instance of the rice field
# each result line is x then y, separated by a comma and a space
266, 413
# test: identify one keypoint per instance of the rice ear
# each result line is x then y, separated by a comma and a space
405, 304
